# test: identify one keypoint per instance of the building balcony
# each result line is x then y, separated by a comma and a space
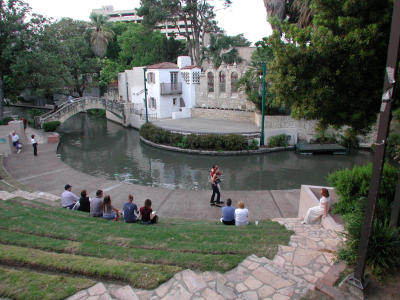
171, 88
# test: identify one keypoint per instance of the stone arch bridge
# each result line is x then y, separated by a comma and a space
118, 112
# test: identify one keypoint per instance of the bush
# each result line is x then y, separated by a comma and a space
98, 112
349, 139
158, 135
393, 146
34, 112
51, 126
278, 141
352, 187
253, 145
6, 120
384, 245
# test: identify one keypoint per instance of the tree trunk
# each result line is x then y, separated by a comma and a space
1, 95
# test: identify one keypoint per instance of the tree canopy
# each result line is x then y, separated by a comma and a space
333, 70
198, 18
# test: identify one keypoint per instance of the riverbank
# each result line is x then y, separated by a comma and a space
47, 173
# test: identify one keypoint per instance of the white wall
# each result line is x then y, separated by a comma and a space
184, 61
136, 86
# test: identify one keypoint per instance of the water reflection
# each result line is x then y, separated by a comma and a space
103, 148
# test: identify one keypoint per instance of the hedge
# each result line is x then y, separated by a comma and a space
280, 140
216, 142
51, 126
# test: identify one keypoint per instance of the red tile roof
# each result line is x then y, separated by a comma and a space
164, 65
190, 67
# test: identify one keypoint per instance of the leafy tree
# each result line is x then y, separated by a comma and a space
332, 71
294, 11
99, 35
14, 38
81, 67
198, 17
222, 48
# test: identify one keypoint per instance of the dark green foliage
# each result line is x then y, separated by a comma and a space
396, 114
280, 140
98, 112
6, 120
349, 139
352, 187
230, 142
253, 145
34, 112
51, 126
324, 138
393, 146
333, 70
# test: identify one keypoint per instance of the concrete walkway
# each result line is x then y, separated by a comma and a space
47, 173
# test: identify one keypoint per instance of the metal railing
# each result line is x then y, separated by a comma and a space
171, 88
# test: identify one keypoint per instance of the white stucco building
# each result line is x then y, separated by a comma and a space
171, 88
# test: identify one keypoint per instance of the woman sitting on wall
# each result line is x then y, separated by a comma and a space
314, 213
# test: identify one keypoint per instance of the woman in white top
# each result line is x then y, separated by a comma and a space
241, 215
314, 213
34, 144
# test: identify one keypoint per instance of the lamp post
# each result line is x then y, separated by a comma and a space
145, 93
264, 70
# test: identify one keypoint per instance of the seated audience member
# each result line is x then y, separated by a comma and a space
130, 211
84, 203
314, 213
96, 204
228, 213
147, 214
68, 199
109, 211
241, 215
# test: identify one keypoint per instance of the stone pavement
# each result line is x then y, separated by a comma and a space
48, 173
292, 272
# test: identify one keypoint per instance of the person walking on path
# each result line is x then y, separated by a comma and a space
15, 140
34, 144
68, 199
25, 122
214, 186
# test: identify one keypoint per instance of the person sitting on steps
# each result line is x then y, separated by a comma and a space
109, 211
130, 211
228, 213
95, 204
147, 214
84, 203
241, 215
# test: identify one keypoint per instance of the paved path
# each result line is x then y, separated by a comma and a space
47, 173
207, 125
292, 272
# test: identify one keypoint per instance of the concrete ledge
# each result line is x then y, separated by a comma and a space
208, 152
308, 199
53, 138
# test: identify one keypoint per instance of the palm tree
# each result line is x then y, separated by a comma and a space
99, 36
298, 8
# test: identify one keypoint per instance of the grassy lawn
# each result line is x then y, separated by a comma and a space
45, 238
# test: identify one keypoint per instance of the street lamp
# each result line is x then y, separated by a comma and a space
262, 78
145, 93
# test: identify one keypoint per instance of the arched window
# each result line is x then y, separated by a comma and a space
210, 82
222, 88
234, 80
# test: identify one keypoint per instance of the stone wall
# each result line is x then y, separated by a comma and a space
305, 128
222, 114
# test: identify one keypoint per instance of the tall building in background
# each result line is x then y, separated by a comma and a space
130, 15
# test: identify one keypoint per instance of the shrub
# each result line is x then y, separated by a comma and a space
393, 146
278, 141
384, 245
6, 120
192, 141
98, 112
351, 185
51, 126
349, 139
253, 145
34, 112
